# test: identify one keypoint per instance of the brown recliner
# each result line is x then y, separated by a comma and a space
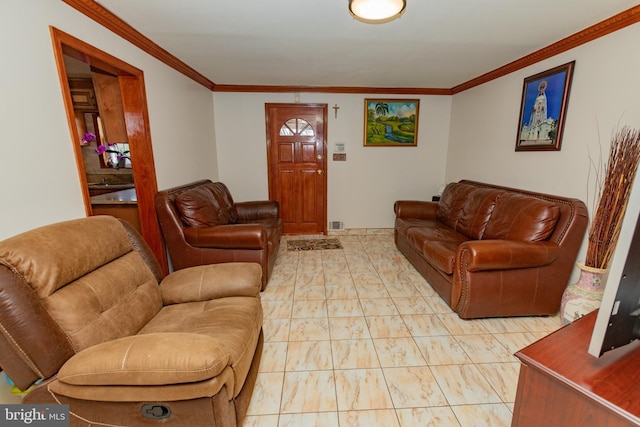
81, 309
201, 224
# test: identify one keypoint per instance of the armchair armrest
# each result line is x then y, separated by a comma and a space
212, 281
415, 209
261, 209
229, 236
482, 255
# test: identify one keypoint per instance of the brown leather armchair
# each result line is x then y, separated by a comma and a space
202, 224
81, 309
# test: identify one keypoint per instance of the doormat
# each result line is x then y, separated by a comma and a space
313, 244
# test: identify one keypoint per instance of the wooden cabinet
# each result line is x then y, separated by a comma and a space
562, 385
82, 94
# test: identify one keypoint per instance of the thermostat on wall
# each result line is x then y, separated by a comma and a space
338, 147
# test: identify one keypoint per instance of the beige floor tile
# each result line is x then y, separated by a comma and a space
354, 354
441, 350
283, 278
503, 377
425, 325
412, 305
382, 417
437, 304
274, 355
427, 417
338, 279
484, 348
277, 293
379, 307
334, 291
542, 324
344, 308
458, 326
515, 342
394, 352
387, 327
310, 329
342, 328
362, 389
335, 266
413, 386
464, 385
309, 356
309, 308
310, 292
276, 329
261, 421
266, 394
313, 391
276, 309
371, 290
310, 419
499, 325
497, 415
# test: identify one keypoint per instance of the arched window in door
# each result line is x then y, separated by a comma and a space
296, 126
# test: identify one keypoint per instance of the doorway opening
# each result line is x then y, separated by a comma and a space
118, 116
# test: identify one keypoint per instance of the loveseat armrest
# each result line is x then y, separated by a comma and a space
483, 255
212, 281
254, 210
229, 236
415, 209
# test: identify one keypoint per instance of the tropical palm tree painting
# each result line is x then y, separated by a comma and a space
391, 122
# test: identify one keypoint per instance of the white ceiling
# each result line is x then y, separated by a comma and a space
435, 44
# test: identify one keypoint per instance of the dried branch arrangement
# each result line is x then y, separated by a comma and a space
615, 190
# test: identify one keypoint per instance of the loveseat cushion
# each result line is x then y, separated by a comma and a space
451, 203
441, 254
199, 207
476, 212
225, 201
521, 217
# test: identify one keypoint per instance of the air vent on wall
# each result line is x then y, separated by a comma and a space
336, 225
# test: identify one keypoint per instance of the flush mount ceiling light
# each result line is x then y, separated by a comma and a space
376, 11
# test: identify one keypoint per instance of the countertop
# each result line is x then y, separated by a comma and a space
123, 197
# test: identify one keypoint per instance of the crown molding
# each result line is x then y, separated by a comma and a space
608, 26
107, 19
333, 89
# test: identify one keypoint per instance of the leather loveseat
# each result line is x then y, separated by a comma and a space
82, 311
492, 251
202, 224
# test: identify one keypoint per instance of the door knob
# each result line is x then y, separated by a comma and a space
319, 171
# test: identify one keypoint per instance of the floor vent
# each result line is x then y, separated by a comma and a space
336, 225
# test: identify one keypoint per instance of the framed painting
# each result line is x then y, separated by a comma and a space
543, 108
391, 122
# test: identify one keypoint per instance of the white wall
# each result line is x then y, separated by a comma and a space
605, 95
39, 178
362, 190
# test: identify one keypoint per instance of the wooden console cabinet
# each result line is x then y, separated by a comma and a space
562, 385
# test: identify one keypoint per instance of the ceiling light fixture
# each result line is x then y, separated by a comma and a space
376, 11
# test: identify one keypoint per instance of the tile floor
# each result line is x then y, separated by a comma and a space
356, 337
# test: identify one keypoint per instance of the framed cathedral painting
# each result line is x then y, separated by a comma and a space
543, 108
391, 122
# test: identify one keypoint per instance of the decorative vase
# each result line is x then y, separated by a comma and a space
584, 296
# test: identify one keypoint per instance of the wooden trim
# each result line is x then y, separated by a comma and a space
107, 19
333, 89
601, 29
137, 124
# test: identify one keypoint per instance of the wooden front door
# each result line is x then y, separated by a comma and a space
296, 153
